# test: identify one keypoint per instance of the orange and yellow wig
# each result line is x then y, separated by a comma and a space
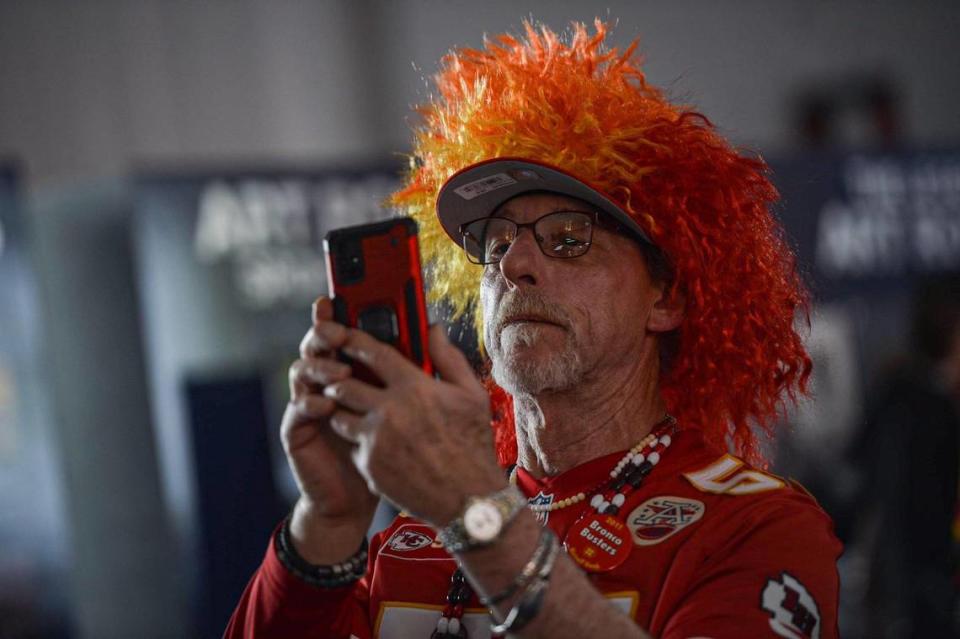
588, 109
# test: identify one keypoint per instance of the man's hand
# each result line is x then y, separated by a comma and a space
424, 443
335, 507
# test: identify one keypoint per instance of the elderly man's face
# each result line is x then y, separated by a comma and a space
551, 324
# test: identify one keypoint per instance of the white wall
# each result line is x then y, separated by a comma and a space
87, 88
740, 62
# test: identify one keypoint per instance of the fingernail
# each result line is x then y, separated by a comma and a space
356, 353
329, 373
332, 391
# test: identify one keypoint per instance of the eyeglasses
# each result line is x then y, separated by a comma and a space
561, 234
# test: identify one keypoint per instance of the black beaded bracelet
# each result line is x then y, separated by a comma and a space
338, 575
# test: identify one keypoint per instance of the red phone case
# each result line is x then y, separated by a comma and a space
376, 284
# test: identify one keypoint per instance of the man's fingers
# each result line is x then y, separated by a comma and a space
356, 395
322, 339
326, 335
325, 371
311, 346
307, 375
312, 407
348, 426
298, 385
450, 363
322, 309
384, 360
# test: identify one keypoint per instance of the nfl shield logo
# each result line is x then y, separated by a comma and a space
541, 500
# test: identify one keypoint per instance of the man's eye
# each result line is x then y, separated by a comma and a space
566, 243
497, 248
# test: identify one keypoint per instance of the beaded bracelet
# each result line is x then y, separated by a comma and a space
338, 575
532, 600
530, 569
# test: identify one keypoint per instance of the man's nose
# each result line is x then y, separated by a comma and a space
522, 261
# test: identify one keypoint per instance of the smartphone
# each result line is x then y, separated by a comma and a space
376, 285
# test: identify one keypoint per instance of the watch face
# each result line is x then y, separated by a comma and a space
482, 521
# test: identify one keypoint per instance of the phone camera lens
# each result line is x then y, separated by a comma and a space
381, 322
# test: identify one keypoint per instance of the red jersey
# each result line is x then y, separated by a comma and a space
720, 550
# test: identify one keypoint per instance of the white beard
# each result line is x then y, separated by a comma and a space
515, 368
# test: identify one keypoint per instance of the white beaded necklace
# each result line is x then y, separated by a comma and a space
634, 455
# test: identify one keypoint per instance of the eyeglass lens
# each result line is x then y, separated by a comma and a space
562, 234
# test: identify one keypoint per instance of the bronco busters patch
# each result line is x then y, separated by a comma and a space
661, 517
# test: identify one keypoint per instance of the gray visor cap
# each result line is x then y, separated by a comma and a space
476, 192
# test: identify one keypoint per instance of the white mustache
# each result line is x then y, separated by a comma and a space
528, 304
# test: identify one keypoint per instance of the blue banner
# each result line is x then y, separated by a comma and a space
867, 221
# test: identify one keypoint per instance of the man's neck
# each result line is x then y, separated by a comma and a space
557, 431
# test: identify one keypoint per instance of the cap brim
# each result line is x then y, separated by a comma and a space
477, 190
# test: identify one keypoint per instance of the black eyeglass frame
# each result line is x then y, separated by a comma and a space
595, 220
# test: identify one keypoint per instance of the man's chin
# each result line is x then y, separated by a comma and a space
518, 383
526, 373
528, 362
531, 340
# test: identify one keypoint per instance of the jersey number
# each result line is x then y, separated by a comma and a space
724, 477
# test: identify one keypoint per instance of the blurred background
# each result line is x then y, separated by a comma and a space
168, 169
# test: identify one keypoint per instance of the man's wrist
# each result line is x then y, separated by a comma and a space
482, 520
324, 540
336, 575
531, 583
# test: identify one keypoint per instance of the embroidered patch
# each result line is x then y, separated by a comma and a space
414, 541
793, 611
661, 517
407, 540
724, 477
541, 500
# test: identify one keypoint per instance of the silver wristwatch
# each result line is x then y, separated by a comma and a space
483, 520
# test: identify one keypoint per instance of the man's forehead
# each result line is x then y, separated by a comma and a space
539, 203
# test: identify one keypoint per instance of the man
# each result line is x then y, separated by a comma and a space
907, 454
637, 309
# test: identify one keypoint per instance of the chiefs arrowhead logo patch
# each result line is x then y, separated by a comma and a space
661, 517
407, 540
414, 541
794, 613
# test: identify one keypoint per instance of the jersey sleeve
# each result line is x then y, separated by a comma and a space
276, 604
773, 575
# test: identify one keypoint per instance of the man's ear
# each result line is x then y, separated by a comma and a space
668, 311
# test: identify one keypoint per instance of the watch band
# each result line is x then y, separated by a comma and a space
456, 537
